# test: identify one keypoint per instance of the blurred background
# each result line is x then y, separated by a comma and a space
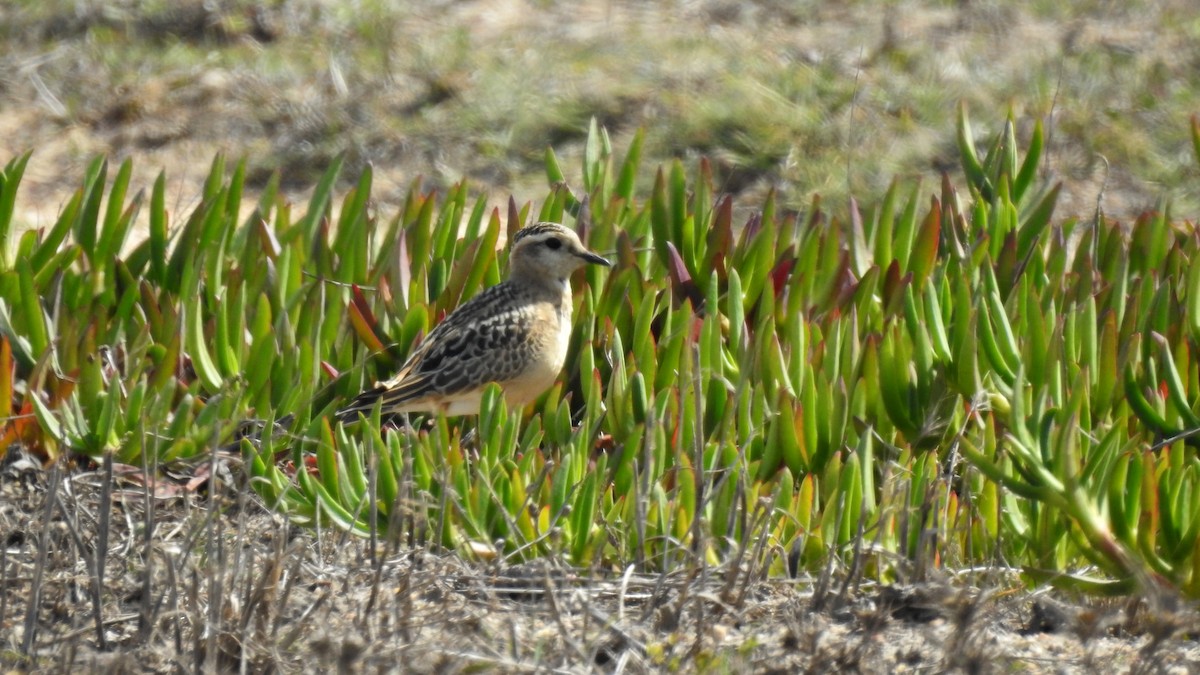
804, 96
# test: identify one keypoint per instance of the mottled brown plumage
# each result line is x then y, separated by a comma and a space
514, 333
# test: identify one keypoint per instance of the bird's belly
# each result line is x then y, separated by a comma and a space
464, 405
525, 389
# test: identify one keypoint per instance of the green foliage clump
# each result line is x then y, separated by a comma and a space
947, 379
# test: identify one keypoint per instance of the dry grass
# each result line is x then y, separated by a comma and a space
212, 582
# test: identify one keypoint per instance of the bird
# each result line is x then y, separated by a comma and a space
515, 334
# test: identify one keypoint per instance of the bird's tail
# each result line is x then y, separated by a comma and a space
363, 403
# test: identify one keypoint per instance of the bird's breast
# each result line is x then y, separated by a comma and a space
551, 339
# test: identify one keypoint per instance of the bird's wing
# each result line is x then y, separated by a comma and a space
478, 343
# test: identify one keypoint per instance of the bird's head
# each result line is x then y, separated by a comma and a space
550, 251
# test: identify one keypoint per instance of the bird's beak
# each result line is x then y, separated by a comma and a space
594, 259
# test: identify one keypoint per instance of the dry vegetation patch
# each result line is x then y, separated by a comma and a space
194, 580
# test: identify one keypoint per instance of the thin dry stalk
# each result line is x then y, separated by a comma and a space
39, 569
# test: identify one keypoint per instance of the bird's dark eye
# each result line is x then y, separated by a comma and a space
553, 244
